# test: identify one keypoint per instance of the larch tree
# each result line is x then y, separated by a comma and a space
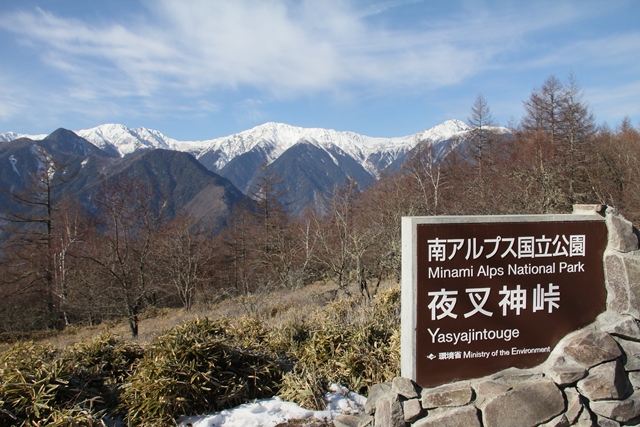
543, 111
31, 224
540, 135
346, 239
236, 258
272, 239
481, 139
577, 129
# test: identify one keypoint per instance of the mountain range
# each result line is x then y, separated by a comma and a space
309, 161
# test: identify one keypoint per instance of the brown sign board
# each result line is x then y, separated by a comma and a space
482, 294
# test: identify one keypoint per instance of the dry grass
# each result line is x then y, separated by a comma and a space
275, 308
293, 343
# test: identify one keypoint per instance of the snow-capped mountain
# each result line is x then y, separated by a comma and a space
79, 172
124, 141
311, 161
272, 139
11, 136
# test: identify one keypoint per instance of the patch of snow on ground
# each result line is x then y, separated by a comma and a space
14, 162
271, 412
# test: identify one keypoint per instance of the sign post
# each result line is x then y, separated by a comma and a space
484, 293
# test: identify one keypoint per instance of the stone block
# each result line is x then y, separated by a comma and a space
589, 347
526, 405
634, 379
564, 371
412, 410
455, 394
622, 276
451, 417
389, 411
404, 387
575, 404
621, 325
618, 410
346, 421
485, 390
592, 209
376, 391
617, 283
631, 350
622, 237
606, 381
585, 419
512, 376
559, 421
606, 422
366, 420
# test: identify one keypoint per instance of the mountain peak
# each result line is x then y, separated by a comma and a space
271, 139
11, 136
124, 140
314, 160
61, 133
68, 142
453, 124
444, 130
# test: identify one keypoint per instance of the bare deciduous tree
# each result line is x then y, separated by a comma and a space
183, 258
428, 180
129, 220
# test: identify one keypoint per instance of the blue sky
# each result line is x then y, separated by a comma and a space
200, 69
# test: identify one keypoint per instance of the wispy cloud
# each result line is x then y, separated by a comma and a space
287, 49
11, 103
279, 47
612, 104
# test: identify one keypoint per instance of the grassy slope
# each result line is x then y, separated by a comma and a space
274, 308
296, 343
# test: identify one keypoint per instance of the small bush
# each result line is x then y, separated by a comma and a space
193, 369
106, 357
35, 388
202, 366
348, 343
42, 386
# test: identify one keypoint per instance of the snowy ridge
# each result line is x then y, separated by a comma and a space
125, 140
272, 139
10, 136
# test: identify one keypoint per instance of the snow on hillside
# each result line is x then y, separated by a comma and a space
10, 136
272, 139
275, 138
126, 140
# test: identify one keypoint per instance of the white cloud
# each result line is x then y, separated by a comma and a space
279, 47
274, 45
